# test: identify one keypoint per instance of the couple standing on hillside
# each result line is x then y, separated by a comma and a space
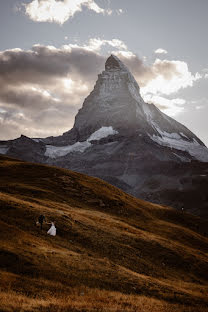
52, 230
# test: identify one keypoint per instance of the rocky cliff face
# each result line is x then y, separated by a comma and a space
123, 140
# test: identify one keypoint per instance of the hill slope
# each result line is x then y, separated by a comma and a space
112, 252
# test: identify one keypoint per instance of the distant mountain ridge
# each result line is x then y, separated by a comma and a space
125, 141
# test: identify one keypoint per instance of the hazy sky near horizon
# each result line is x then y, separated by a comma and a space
51, 52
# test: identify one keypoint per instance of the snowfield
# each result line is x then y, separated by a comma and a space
103, 132
37, 140
175, 141
58, 151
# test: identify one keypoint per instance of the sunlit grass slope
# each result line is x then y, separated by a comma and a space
112, 252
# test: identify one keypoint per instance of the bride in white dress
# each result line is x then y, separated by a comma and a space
52, 230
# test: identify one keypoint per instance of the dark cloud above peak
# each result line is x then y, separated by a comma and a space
44, 63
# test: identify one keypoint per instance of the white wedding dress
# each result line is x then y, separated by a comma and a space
52, 230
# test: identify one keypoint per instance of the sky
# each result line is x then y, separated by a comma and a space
51, 52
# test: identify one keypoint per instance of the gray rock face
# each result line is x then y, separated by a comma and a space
125, 141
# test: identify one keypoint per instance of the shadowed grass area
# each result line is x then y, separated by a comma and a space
112, 252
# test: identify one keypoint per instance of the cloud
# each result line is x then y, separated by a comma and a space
42, 88
13, 123
199, 107
44, 65
169, 77
161, 51
56, 11
119, 11
95, 44
170, 106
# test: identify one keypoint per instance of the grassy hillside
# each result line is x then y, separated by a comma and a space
112, 252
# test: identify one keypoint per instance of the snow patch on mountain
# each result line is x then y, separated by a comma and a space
165, 134
58, 151
175, 141
173, 135
183, 135
180, 141
37, 140
103, 132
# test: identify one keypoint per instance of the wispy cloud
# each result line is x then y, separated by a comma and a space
119, 11
161, 51
56, 11
95, 44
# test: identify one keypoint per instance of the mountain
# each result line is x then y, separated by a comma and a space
113, 252
128, 143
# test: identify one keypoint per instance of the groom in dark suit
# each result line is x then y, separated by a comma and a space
41, 219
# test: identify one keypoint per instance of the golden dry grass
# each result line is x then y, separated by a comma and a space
112, 252
89, 300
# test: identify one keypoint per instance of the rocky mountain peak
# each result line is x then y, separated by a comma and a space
116, 102
113, 62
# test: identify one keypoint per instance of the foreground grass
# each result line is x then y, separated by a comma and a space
112, 252
85, 299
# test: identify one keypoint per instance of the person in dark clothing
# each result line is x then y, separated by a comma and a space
40, 220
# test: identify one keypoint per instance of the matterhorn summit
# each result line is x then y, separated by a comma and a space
118, 137
116, 102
